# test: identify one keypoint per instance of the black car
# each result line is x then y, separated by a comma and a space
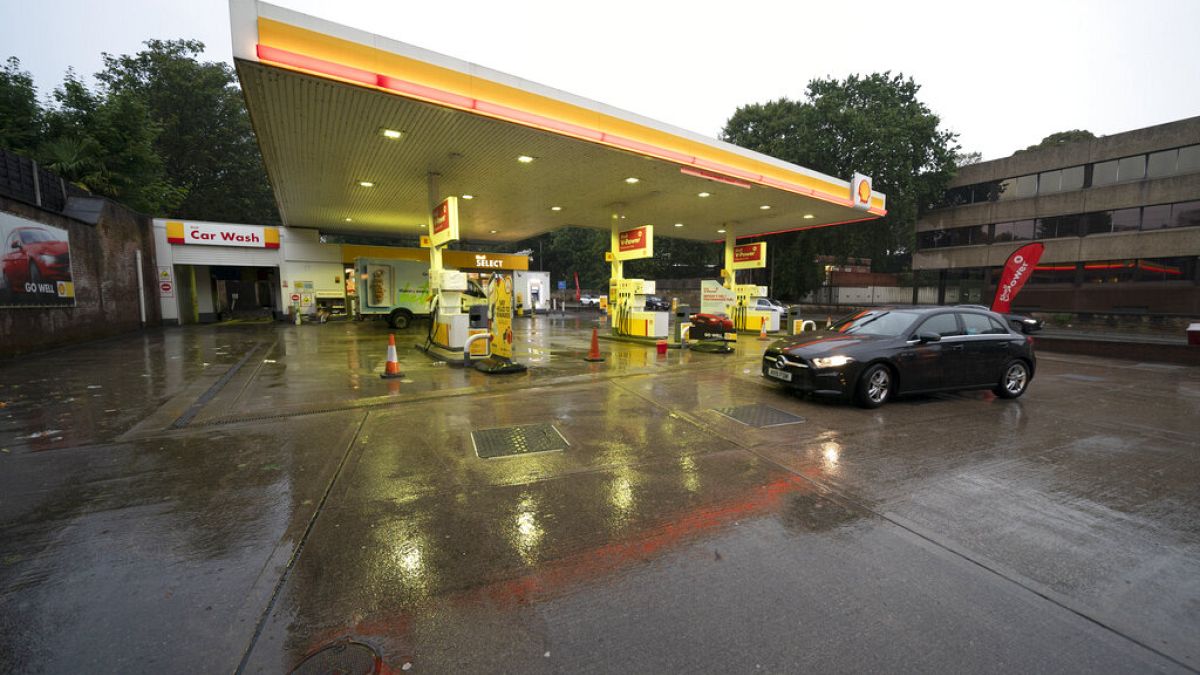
657, 304
1019, 322
880, 353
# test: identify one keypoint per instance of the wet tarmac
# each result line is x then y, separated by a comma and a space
234, 498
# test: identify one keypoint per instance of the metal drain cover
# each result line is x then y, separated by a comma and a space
759, 416
344, 657
518, 440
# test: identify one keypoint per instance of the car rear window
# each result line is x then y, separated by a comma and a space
980, 324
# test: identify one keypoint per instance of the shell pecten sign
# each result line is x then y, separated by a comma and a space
860, 191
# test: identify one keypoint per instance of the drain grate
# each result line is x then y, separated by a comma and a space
759, 416
344, 656
519, 440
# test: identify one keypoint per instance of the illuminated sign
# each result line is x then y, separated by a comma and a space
444, 226
860, 191
750, 256
635, 243
222, 234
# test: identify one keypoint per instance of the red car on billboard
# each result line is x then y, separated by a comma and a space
32, 256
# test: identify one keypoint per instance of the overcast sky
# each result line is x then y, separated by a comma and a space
1000, 74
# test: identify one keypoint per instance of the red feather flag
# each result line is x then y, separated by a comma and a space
1016, 272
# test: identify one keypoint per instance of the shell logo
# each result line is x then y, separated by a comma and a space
864, 192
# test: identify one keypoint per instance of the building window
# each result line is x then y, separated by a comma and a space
1053, 273
1185, 214
1189, 159
1125, 220
1072, 178
1008, 189
1156, 217
1162, 163
1026, 186
1131, 168
1049, 182
1020, 230
1099, 222
1104, 173
1167, 269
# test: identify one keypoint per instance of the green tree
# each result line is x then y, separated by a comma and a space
1060, 138
20, 114
104, 142
873, 124
206, 144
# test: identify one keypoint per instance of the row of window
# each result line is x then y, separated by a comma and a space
1137, 167
1145, 218
1093, 272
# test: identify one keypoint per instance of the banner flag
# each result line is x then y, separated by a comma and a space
1016, 272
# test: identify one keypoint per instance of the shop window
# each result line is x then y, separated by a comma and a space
1167, 269
1072, 178
1131, 168
1185, 214
1162, 163
1099, 222
1156, 217
1104, 173
1026, 186
1109, 271
1189, 159
1053, 273
1049, 182
1126, 220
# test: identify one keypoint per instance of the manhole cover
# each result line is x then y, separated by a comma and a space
518, 440
758, 415
344, 657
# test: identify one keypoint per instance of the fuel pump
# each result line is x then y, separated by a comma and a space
632, 318
747, 317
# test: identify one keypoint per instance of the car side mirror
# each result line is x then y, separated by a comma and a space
929, 337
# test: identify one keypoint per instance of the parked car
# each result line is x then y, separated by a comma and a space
880, 353
33, 255
768, 305
1019, 322
709, 325
657, 304
589, 300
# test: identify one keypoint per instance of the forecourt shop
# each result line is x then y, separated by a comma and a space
363, 134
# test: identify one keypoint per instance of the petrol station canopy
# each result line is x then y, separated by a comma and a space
351, 125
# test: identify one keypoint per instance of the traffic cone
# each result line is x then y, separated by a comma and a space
762, 330
594, 354
392, 369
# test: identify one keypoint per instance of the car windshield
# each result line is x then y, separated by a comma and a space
876, 322
34, 236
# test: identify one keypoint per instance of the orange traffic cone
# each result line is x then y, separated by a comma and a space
393, 364
762, 330
594, 354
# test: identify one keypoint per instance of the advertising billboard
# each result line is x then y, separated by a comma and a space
35, 264
635, 243
750, 256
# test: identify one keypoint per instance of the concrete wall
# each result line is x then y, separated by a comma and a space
104, 269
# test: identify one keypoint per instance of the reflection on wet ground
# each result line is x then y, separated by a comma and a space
235, 497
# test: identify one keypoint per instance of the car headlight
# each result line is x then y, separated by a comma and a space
48, 259
831, 361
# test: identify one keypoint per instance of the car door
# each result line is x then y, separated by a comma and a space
985, 341
931, 365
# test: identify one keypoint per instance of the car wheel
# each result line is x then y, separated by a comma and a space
874, 386
399, 319
35, 276
1015, 380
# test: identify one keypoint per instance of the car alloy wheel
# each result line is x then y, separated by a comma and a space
1015, 378
879, 385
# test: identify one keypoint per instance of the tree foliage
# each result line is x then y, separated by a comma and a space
162, 132
1060, 138
873, 124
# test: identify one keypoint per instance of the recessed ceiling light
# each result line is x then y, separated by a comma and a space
678, 224
366, 183
349, 220
468, 196
703, 194
493, 231
720, 231
808, 216
765, 207
631, 180
556, 208
392, 133
524, 159
421, 225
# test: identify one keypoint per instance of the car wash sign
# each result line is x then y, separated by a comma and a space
221, 234
750, 256
443, 227
636, 243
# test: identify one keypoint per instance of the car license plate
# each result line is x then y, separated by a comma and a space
779, 374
